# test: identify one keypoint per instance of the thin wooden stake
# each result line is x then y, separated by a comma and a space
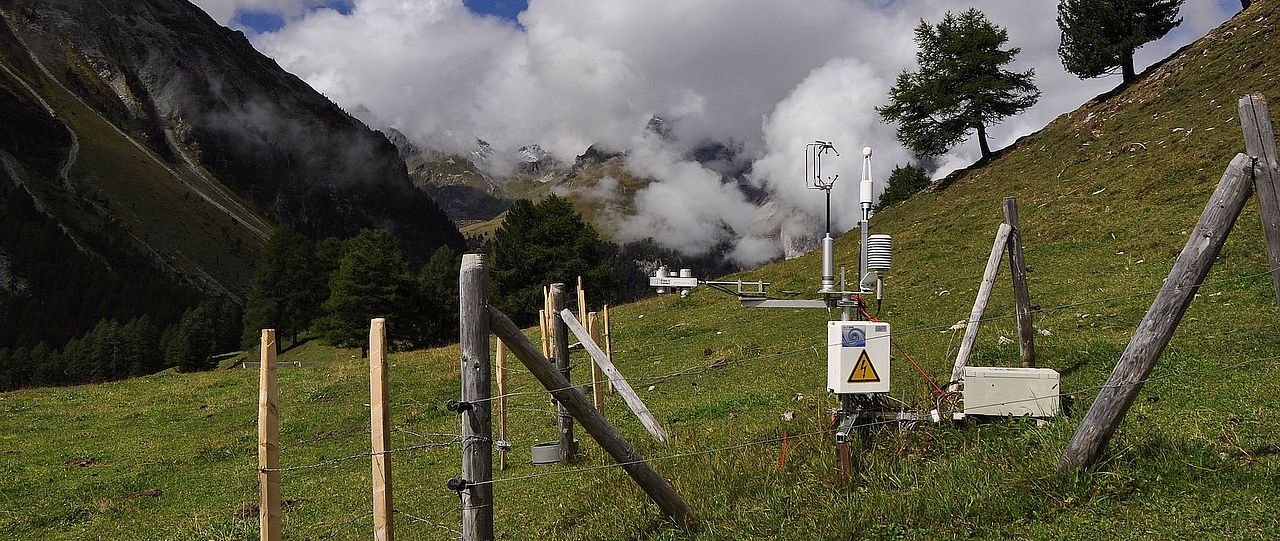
544, 333
592, 421
560, 347
1157, 327
597, 375
1021, 297
582, 301
628, 394
477, 431
502, 403
379, 430
268, 441
608, 343
980, 303
1260, 144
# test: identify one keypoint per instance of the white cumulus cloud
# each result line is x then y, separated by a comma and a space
766, 75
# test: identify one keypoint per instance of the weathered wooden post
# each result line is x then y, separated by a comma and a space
592, 421
477, 433
560, 348
502, 403
1157, 327
1021, 297
629, 395
1260, 144
980, 303
597, 375
268, 444
379, 431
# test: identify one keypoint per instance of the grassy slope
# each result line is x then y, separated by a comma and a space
1102, 225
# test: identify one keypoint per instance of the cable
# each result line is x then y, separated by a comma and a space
858, 426
335, 461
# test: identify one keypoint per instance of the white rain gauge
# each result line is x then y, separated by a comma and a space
857, 349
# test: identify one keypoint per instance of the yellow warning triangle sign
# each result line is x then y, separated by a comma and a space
864, 371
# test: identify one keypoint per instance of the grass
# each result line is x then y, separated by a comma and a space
1102, 222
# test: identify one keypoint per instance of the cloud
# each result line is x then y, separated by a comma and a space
767, 75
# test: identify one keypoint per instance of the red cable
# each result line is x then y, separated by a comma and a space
936, 389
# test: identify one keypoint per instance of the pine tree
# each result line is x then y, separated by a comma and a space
438, 288
544, 243
145, 340
961, 86
1099, 37
904, 181
287, 288
372, 280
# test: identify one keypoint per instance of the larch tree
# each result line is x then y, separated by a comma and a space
1099, 37
961, 86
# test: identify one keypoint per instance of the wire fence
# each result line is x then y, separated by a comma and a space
703, 368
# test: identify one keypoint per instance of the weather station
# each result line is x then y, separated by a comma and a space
858, 357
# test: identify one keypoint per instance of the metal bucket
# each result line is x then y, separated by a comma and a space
546, 453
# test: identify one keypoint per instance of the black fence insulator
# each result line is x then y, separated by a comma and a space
457, 484
458, 406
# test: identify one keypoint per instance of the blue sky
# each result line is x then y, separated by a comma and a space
269, 21
507, 9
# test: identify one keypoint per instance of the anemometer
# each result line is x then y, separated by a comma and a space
857, 346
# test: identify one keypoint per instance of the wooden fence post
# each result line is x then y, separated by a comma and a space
379, 431
477, 432
1260, 144
628, 394
560, 347
608, 343
1157, 327
582, 301
592, 421
1021, 297
980, 303
502, 403
544, 333
268, 441
597, 375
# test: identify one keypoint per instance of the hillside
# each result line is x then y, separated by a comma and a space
150, 147
1108, 194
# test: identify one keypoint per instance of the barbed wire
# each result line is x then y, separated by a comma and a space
857, 426
339, 460
633, 348
433, 524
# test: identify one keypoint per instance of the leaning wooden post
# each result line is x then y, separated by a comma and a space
560, 348
608, 343
592, 421
597, 375
980, 303
502, 403
1021, 298
1157, 327
477, 434
1260, 144
629, 395
379, 431
268, 444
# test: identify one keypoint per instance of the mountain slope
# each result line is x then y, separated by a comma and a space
145, 131
1103, 217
